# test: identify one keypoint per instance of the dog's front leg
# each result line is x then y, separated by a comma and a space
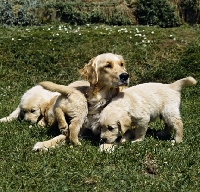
140, 132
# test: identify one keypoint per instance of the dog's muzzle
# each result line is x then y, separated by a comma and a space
103, 140
124, 77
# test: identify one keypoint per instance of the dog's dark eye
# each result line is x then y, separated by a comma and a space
110, 128
121, 64
108, 65
32, 110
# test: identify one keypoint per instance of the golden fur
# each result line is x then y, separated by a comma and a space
138, 105
107, 75
33, 105
72, 103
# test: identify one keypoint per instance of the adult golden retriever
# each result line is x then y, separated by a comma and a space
107, 76
138, 105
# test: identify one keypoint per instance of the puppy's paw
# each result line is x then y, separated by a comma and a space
64, 130
109, 148
77, 143
39, 146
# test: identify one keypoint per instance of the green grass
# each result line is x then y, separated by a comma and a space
34, 54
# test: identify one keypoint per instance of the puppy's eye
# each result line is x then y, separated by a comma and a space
108, 65
110, 128
122, 64
33, 110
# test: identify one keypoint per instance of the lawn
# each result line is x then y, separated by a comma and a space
56, 53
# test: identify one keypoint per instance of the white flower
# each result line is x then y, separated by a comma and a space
12, 39
152, 32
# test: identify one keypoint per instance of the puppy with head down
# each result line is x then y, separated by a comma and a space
33, 105
138, 105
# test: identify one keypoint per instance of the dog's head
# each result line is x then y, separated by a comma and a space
107, 69
114, 123
33, 109
34, 103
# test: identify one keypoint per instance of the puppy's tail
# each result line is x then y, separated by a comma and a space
65, 90
185, 82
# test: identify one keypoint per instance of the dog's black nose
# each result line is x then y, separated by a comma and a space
103, 140
124, 76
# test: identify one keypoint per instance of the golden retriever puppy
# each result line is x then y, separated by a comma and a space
107, 76
71, 104
138, 105
33, 105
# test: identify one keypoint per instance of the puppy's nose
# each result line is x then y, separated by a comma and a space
103, 140
124, 76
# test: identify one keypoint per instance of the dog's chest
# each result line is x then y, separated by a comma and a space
95, 107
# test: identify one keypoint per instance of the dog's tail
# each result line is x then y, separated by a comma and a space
65, 90
185, 82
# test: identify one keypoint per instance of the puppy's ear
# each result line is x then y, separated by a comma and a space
89, 72
124, 124
43, 108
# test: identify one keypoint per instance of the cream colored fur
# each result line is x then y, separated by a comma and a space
32, 106
107, 76
71, 103
138, 105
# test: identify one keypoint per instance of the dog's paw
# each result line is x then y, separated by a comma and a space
39, 146
109, 148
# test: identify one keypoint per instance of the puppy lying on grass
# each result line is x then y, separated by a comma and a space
138, 105
33, 105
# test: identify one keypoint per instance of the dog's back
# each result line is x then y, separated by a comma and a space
150, 98
138, 105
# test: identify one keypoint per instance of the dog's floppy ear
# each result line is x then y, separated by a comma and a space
43, 108
89, 72
124, 124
